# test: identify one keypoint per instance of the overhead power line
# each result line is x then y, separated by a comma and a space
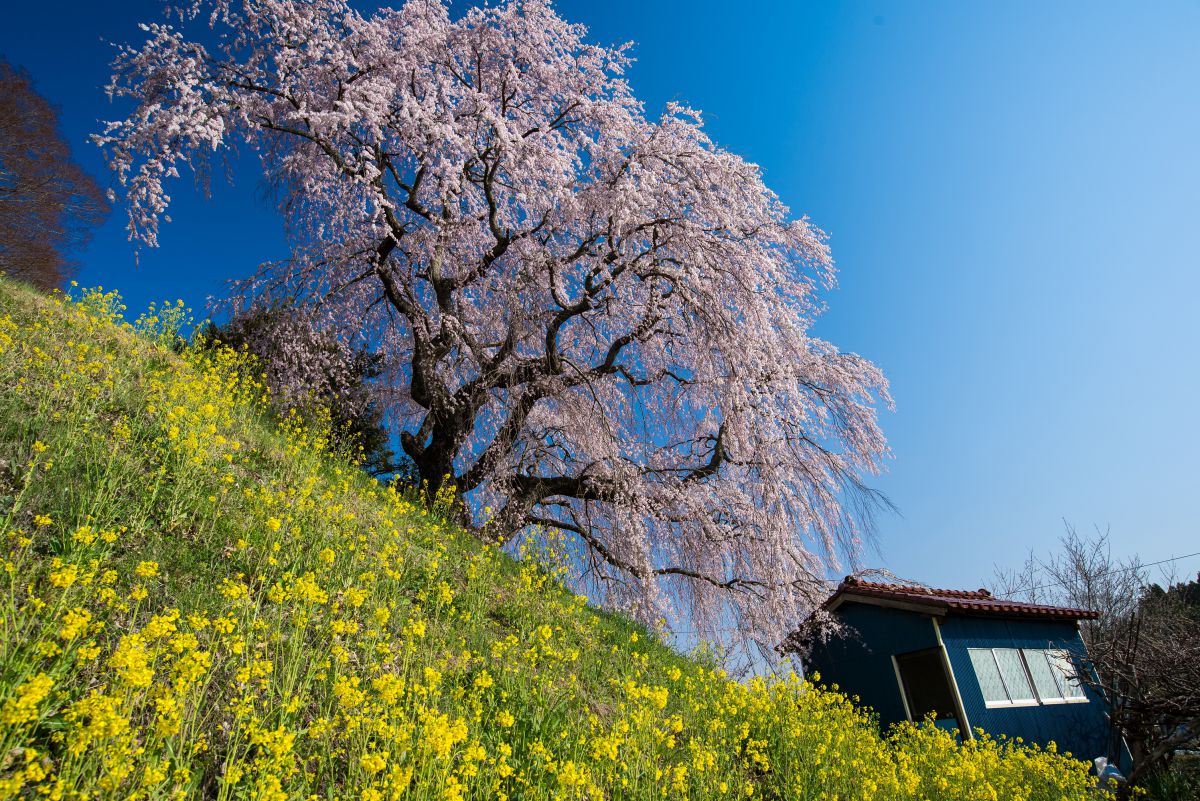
1128, 569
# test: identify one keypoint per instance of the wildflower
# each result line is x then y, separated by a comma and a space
75, 622
390, 688
48, 649
571, 775
444, 593
372, 763
155, 774
146, 569
23, 706
346, 690
84, 535
442, 733
234, 590
42, 520
65, 576
131, 661
169, 717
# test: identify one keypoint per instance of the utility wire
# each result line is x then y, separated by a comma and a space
1140, 566
1128, 569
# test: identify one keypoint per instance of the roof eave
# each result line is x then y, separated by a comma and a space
890, 603
1065, 617
942, 609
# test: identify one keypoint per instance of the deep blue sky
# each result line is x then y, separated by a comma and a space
1012, 192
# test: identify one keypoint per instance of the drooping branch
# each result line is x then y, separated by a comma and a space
586, 315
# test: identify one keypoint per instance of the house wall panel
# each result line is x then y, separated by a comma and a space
860, 662
1079, 728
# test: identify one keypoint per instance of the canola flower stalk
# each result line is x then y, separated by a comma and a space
202, 601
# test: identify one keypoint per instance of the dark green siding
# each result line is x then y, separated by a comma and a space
860, 661
1080, 728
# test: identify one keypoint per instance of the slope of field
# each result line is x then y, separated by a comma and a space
198, 601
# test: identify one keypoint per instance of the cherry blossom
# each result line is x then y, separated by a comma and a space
594, 320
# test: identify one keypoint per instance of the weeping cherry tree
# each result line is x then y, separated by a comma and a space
593, 321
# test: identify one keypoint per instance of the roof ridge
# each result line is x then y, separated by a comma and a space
915, 589
980, 600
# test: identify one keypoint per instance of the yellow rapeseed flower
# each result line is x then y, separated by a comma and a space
23, 706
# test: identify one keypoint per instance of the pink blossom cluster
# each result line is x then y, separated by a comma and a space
592, 319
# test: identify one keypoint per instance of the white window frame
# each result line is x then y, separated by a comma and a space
992, 704
1000, 672
1063, 677
1047, 701
1037, 699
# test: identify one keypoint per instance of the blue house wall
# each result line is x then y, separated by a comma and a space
1079, 728
860, 663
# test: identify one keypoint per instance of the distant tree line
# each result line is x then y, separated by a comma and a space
48, 204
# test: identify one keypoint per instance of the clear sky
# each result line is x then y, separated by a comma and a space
1012, 191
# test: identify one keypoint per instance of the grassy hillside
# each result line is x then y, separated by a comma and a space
197, 601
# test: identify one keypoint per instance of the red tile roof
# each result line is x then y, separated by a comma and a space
966, 602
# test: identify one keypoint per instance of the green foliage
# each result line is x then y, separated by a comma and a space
198, 601
274, 336
166, 325
1179, 782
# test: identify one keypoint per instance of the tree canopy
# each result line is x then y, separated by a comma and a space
48, 204
591, 320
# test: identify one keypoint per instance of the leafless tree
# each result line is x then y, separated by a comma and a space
48, 204
1143, 651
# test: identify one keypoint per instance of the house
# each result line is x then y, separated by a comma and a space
971, 660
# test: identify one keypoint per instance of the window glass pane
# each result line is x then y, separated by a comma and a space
1064, 671
988, 675
1044, 680
1012, 670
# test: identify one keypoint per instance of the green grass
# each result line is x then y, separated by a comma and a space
200, 601
1180, 782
